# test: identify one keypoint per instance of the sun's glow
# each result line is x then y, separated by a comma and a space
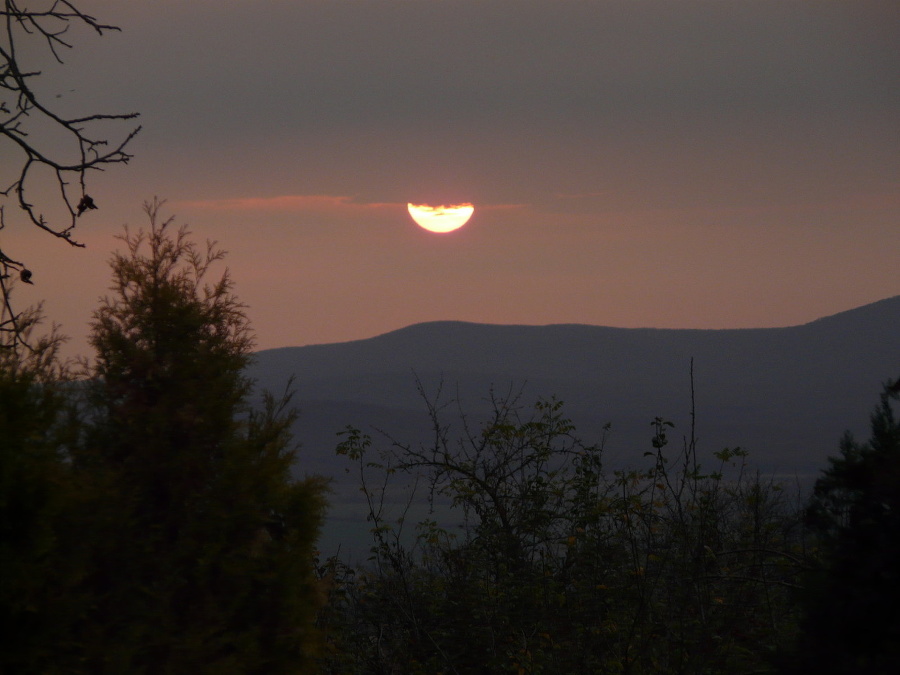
441, 218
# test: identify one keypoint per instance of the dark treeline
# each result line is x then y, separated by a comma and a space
562, 567
149, 523
148, 518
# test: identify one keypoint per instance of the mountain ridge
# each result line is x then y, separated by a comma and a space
787, 393
891, 303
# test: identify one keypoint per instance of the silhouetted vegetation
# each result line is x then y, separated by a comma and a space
558, 566
43, 145
40, 572
150, 522
851, 622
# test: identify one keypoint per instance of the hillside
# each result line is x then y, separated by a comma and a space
786, 394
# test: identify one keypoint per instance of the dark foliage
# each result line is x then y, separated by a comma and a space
39, 562
150, 520
852, 622
557, 566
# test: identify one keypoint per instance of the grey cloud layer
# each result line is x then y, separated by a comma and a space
353, 62
510, 94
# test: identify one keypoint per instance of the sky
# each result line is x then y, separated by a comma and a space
661, 163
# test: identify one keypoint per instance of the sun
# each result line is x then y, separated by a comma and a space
441, 219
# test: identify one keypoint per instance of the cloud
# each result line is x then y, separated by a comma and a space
291, 204
308, 204
350, 63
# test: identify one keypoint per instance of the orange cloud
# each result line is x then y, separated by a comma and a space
308, 204
289, 203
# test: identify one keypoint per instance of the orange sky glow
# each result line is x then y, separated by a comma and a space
695, 164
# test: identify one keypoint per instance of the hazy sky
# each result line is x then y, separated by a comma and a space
669, 163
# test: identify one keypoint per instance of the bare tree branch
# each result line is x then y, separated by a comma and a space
24, 122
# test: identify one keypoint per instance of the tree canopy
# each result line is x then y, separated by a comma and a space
195, 541
551, 563
851, 621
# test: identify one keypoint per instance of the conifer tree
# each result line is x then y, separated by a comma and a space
39, 572
203, 550
851, 602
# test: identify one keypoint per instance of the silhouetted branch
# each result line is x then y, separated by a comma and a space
25, 119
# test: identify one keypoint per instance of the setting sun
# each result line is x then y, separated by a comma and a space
441, 219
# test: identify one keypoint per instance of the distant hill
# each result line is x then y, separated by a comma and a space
784, 394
